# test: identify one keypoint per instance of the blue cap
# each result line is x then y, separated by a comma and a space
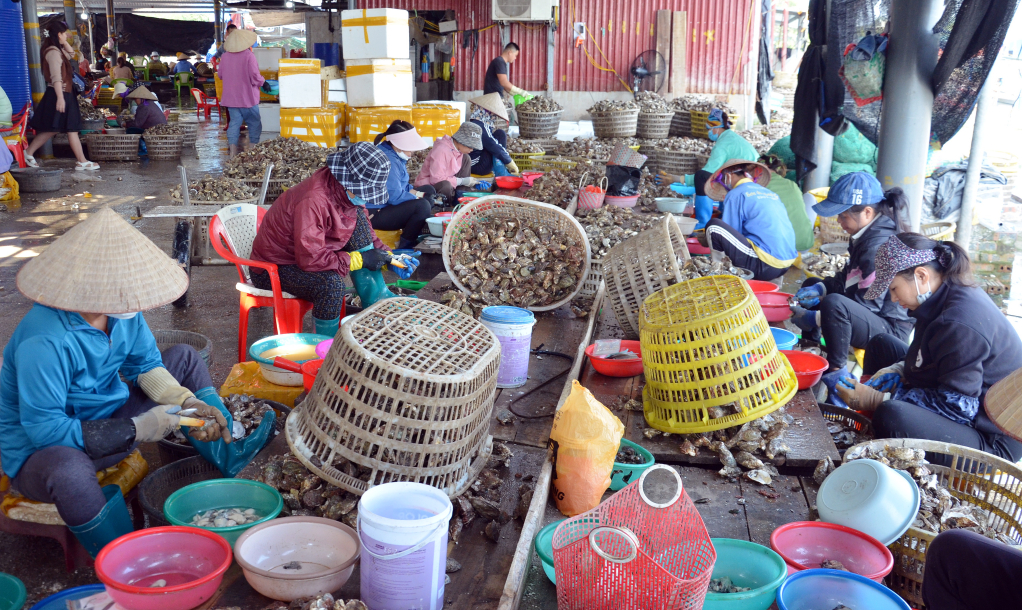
856, 188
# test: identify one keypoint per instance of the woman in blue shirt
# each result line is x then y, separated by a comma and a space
82, 381
406, 208
183, 65
754, 230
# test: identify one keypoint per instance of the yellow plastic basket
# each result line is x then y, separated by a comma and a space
939, 231
699, 119
526, 161
545, 163
706, 344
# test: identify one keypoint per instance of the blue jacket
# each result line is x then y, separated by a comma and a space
183, 65
482, 160
399, 189
757, 213
59, 371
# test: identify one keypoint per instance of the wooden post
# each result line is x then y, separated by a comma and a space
679, 53
663, 42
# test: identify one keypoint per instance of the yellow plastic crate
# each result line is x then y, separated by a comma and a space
699, 123
323, 127
526, 161
707, 346
434, 121
364, 124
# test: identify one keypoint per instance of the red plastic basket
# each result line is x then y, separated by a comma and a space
631, 553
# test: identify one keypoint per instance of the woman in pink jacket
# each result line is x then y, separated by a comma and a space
239, 72
448, 165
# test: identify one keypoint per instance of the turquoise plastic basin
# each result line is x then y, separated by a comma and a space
544, 544
12, 592
255, 352
624, 474
748, 565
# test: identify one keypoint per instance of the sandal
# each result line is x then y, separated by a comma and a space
30, 161
86, 166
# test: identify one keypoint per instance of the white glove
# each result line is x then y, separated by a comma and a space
517, 91
898, 368
468, 181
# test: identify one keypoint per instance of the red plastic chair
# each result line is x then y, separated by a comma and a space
205, 102
232, 232
16, 139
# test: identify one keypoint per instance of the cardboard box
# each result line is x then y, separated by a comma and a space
300, 83
379, 82
365, 123
323, 127
374, 33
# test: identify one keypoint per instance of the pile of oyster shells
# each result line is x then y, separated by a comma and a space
307, 495
414, 164
825, 265
692, 102
325, 601
760, 141
483, 499
698, 146
609, 225
165, 129
293, 159
651, 102
605, 106
939, 509
553, 187
247, 410
540, 103
215, 188
88, 111
701, 266
651, 190
594, 148
511, 262
518, 145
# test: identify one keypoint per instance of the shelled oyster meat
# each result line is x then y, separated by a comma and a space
540, 103
293, 159
518, 145
825, 265
509, 262
939, 509
247, 410
307, 495
215, 188
414, 164
651, 102
88, 111
701, 266
612, 106
225, 517
607, 226
724, 585
165, 129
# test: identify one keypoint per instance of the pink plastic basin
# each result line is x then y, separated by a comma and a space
775, 305
805, 545
191, 560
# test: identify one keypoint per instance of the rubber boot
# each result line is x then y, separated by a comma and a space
112, 522
704, 210
370, 286
830, 380
326, 327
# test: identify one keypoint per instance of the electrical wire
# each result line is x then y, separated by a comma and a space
602, 54
541, 352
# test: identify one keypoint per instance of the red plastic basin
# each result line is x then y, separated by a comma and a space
805, 545
612, 367
775, 305
694, 247
190, 559
761, 286
808, 367
509, 182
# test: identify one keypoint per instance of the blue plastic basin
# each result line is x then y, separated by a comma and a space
785, 339
58, 601
815, 589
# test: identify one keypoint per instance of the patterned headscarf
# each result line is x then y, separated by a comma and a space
484, 116
895, 257
716, 119
362, 170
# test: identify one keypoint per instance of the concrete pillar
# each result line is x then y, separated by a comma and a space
218, 23
984, 105
32, 43
908, 100
111, 27
71, 19
550, 58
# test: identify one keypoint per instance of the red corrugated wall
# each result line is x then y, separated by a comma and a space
621, 28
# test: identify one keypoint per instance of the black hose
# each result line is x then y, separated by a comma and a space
542, 352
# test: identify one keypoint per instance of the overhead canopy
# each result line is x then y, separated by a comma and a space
142, 35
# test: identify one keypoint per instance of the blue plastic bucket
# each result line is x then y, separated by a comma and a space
784, 339
513, 327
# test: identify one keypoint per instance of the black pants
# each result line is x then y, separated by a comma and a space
901, 419
324, 289
722, 237
66, 476
967, 571
847, 323
409, 217
700, 181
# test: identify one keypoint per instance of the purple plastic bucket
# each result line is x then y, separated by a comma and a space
513, 327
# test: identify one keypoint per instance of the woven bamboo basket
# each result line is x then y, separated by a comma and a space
527, 213
617, 124
191, 132
164, 147
640, 266
274, 189
526, 161
654, 125
699, 123
939, 231
593, 279
105, 147
538, 124
677, 162
681, 124
974, 477
405, 392
707, 346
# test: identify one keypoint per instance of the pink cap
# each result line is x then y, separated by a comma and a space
408, 140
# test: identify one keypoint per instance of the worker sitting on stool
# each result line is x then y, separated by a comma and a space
65, 409
493, 157
754, 231
405, 208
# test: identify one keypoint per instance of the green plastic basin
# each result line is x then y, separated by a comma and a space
12, 592
624, 474
184, 503
748, 565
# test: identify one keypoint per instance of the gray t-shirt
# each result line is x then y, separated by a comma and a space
492, 84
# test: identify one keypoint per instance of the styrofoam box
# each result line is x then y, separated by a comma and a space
386, 29
338, 84
269, 114
268, 57
302, 90
379, 82
337, 96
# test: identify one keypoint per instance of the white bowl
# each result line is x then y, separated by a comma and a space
324, 550
436, 225
279, 376
673, 205
867, 496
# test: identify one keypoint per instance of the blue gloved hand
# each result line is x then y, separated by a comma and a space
887, 382
804, 318
810, 295
410, 263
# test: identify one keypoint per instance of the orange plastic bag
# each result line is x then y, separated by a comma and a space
586, 438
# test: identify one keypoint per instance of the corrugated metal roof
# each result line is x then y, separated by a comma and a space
622, 30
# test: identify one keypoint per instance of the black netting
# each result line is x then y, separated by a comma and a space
850, 20
140, 35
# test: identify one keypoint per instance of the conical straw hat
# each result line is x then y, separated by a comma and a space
1003, 404
102, 265
239, 40
492, 102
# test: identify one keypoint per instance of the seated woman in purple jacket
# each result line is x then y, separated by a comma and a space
147, 113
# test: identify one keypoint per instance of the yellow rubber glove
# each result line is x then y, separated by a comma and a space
356, 261
513, 167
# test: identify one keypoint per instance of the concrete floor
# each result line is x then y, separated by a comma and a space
212, 310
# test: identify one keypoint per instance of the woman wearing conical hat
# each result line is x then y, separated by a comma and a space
65, 409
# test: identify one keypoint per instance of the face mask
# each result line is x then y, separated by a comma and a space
712, 135
356, 200
921, 296
403, 156
122, 316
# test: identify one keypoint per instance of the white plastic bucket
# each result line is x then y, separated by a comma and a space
513, 327
403, 528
